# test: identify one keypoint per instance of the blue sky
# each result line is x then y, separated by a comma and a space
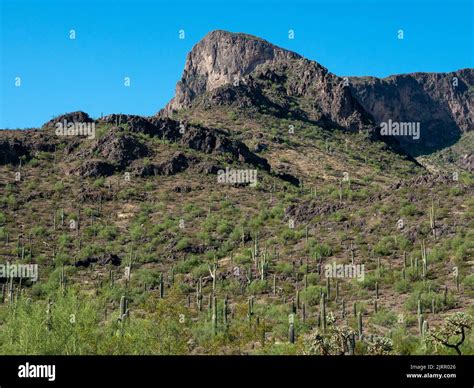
139, 39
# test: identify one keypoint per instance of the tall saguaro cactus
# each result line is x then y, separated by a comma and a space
323, 312
291, 329
359, 324
199, 294
214, 315
224, 312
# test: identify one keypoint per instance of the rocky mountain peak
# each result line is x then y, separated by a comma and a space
221, 58
245, 72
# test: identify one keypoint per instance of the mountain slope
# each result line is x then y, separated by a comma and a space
227, 67
153, 236
440, 102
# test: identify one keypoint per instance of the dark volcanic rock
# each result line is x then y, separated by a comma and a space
259, 147
93, 168
182, 189
103, 260
211, 141
176, 164
72, 117
288, 178
11, 151
135, 123
207, 168
163, 128
119, 148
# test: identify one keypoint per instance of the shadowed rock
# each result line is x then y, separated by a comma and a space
72, 117
93, 168
176, 164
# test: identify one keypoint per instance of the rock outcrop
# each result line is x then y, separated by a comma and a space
72, 117
440, 102
221, 58
250, 73
11, 150
242, 68
118, 148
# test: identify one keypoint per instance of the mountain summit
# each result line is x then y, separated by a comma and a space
231, 66
247, 71
221, 58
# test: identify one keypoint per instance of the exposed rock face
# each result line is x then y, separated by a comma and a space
176, 164
221, 58
440, 102
106, 259
215, 141
239, 67
11, 151
24, 144
135, 123
248, 72
118, 148
72, 117
94, 168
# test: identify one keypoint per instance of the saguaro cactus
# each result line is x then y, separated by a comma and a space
351, 344
224, 312
328, 287
250, 308
359, 324
199, 294
323, 312
161, 286
214, 315
291, 329
424, 328
420, 324
62, 279
123, 307
263, 265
